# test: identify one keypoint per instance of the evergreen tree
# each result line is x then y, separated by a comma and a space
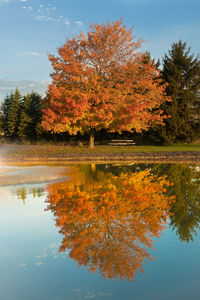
1, 124
5, 107
10, 114
21, 117
24, 119
181, 70
30, 117
35, 115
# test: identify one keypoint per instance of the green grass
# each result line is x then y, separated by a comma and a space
42, 151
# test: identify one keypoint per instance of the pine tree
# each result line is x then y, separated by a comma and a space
35, 115
5, 107
181, 70
1, 124
13, 109
30, 117
24, 119
21, 117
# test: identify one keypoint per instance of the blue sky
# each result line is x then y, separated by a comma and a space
30, 29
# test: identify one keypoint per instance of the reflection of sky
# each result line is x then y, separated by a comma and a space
31, 268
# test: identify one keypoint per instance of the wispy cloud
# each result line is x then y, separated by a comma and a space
38, 264
4, 1
29, 53
27, 7
48, 13
80, 23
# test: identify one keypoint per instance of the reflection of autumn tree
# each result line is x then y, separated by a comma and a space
185, 211
110, 224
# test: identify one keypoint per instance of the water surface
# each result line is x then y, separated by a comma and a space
102, 232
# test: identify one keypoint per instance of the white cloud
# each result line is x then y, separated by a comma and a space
4, 1
43, 255
27, 7
48, 13
22, 265
39, 264
30, 53
80, 23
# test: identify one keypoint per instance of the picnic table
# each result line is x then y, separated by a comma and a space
122, 142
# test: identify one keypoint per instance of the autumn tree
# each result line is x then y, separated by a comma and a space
108, 222
101, 81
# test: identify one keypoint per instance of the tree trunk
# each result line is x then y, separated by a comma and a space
91, 144
93, 168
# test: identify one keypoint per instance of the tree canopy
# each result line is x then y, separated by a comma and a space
101, 81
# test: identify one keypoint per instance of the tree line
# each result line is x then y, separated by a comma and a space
102, 85
21, 116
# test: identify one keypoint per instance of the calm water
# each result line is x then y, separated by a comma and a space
103, 232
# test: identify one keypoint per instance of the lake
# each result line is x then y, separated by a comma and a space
100, 231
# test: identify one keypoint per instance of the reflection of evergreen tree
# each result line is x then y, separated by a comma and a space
23, 192
185, 211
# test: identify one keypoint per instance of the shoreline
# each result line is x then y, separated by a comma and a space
100, 154
136, 157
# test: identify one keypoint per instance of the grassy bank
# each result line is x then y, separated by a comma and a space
28, 152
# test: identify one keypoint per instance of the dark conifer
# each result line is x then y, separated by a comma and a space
21, 117
13, 114
181, 70
5, 108
24, 119
35, 115
30, 117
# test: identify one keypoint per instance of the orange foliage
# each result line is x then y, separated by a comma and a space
100, 81
109, 225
